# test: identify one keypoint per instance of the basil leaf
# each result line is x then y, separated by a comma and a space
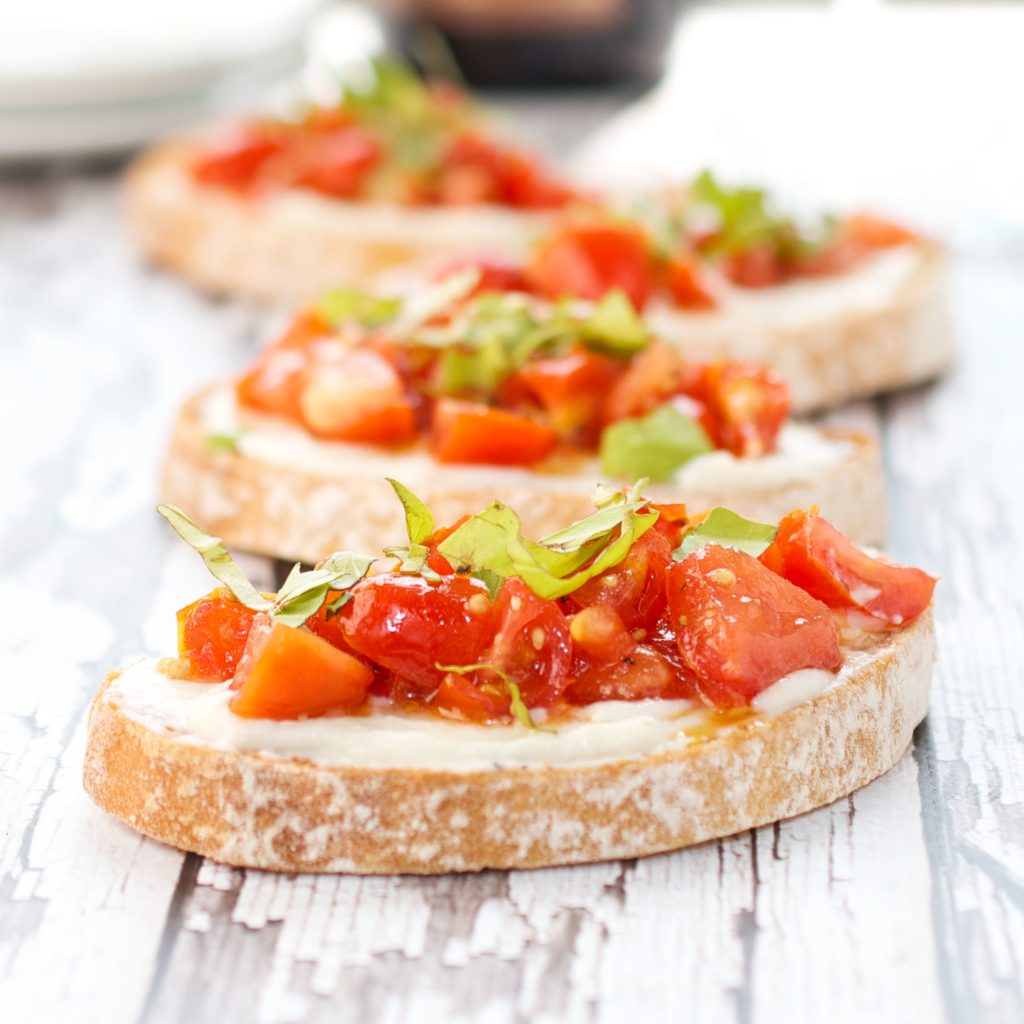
216, 558
492, 542
413, 561
347, 304
221, 441
722, 526
615, 326
654, 446
419, 520
516, 703
304, 592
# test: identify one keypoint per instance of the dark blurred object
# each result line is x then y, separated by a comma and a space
535, 43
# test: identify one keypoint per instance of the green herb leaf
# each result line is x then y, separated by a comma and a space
722, 526
492, 542
335, 606
348, 304
304, 592
413, 561
516, 704
216, 558
614, 326
221, 441
654, 446
419, 520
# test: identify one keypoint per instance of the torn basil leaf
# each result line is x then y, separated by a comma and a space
654, 446
722, 526
221, 441
348, 304
516, 703
614, 326
419, 520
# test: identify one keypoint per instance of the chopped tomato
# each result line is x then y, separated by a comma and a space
233, 161
472, 432
875, 232
635, 587
526, 184
643, 674
357, 397
684, 281
435, 560
811, 553
571, 388
599, 633
496, 274
335, 163
410, 625
484, 698
656, 374
212, 633
672, 520
740, 627
532, 643
746, 405
756, 267
588, 260
290, 673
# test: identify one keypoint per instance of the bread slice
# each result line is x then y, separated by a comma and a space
298, 497
283, 813
298, 244
884, 325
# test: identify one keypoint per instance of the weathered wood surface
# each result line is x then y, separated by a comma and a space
905, 902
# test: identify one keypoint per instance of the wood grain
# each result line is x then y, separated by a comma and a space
905, 902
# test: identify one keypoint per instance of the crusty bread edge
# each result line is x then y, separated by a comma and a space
255, 810
288, 512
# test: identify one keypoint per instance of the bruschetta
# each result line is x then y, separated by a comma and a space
395, 173
634, 683
470, 393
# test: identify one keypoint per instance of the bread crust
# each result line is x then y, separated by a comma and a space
288, 512
840, 356
297, 245
259, 811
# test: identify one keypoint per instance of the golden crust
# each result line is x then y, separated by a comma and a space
260, 811
297, 246
289, 512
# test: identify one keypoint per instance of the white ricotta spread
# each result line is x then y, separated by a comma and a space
606, 731
801, 454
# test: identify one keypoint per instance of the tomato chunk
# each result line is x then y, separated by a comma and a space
290, 673
740, 627
746, 406
875, 232
756, 267
811, 553
212, 633
496, 274
234, 161
472, 432
643, 674
334, 162
656, 374
483, 698
588, 260
683, 279
532, 643
357, 397
410, 625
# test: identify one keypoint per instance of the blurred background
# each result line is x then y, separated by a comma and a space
910, 106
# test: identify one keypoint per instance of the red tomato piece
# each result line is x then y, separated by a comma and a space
740, 627
496, 274
335, 163
588, 260
756, 267
435, 560
652, 377
212, 633
672, 520
599, 633
635, 587
235, 160
357, 397
683, 279
571, 388
531, 644
472, 432
877, 233
288, 673
410, 625
527, 185
643, 674
812, 554
484, 698
746, 405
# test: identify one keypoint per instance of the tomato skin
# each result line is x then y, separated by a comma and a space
643, 674
812, 554
571, 388
876, 232
409, 625
756, 267
357, 397
598, 632
484, 701
435, 560
477, 433
532, 643
496, 274
212, 633
672, 521
635, 587
736, 647
588, 260
235, 160
288, 673
682, 277
652, 377
746, 405
334, 163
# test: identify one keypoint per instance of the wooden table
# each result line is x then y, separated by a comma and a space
902, 903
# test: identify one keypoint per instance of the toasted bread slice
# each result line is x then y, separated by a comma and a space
284, 494
255, 808
298, 244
